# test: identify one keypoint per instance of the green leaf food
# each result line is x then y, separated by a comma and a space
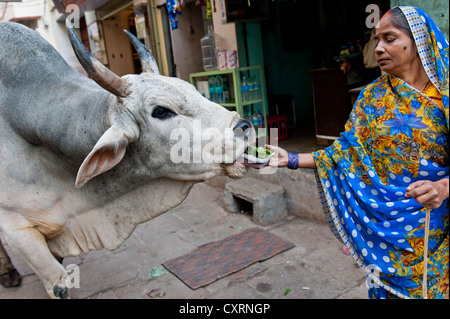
157, 271
259, 152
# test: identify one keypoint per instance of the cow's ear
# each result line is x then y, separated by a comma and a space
106, 154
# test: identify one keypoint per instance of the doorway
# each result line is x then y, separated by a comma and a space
118, 47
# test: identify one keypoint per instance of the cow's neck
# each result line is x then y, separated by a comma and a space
108, 226
66, 114
85, 120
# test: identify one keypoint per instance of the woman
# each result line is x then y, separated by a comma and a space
391, 162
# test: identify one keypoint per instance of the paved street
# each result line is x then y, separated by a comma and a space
316, 268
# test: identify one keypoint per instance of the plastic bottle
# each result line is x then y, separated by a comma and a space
212, 89
244, 89
261, 120
247, 113
200, 88
257, 91
251, 89
208, 45
255, 121
219, 89
226, 91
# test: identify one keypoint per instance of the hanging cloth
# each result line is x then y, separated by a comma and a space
174, 9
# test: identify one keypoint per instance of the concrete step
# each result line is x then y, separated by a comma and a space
267, 199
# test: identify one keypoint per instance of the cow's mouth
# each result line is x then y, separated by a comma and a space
255, 157
243, 129
235, 170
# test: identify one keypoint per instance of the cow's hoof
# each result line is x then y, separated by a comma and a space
10, 279
61, 292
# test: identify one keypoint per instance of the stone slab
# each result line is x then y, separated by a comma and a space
268, 200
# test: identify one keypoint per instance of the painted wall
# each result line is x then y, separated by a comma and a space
437, 9
250, 52
285, 71
226, 31
186, 47
47, 25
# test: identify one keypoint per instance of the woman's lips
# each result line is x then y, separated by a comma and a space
383, 61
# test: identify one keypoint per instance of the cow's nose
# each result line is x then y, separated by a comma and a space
242, 128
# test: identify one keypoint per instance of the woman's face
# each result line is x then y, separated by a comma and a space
395, 51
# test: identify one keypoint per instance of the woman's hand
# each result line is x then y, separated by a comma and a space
280, 159
429, 194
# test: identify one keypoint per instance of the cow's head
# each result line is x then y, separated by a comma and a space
170, 128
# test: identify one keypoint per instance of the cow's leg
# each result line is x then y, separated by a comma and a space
32, 247
9, 276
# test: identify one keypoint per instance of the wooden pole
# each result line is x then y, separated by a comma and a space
425, 254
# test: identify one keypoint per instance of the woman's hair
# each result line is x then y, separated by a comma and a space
399, 21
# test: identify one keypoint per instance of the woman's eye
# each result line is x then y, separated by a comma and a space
390, 40
160, 112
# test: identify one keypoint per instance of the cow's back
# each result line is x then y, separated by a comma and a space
26, 57
43, 99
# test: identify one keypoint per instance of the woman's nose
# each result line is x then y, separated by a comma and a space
379, 49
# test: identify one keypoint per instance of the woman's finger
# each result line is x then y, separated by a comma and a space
425, 194
271, 147
416, 189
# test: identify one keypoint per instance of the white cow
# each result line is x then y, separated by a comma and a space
81, 164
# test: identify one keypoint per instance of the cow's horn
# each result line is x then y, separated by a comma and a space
96, 70
147, 61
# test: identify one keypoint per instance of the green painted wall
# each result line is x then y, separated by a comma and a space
249, 42
285, 71
251, 31
437, 9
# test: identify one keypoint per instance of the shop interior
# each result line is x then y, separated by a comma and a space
304, 45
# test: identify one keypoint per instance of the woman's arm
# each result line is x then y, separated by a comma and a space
281, 158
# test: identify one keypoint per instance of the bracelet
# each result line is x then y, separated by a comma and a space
292, 161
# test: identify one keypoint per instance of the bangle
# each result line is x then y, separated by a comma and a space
292, 161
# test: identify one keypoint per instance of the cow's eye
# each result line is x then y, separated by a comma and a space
160, 112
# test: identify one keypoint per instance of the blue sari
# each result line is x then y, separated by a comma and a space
395, 136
